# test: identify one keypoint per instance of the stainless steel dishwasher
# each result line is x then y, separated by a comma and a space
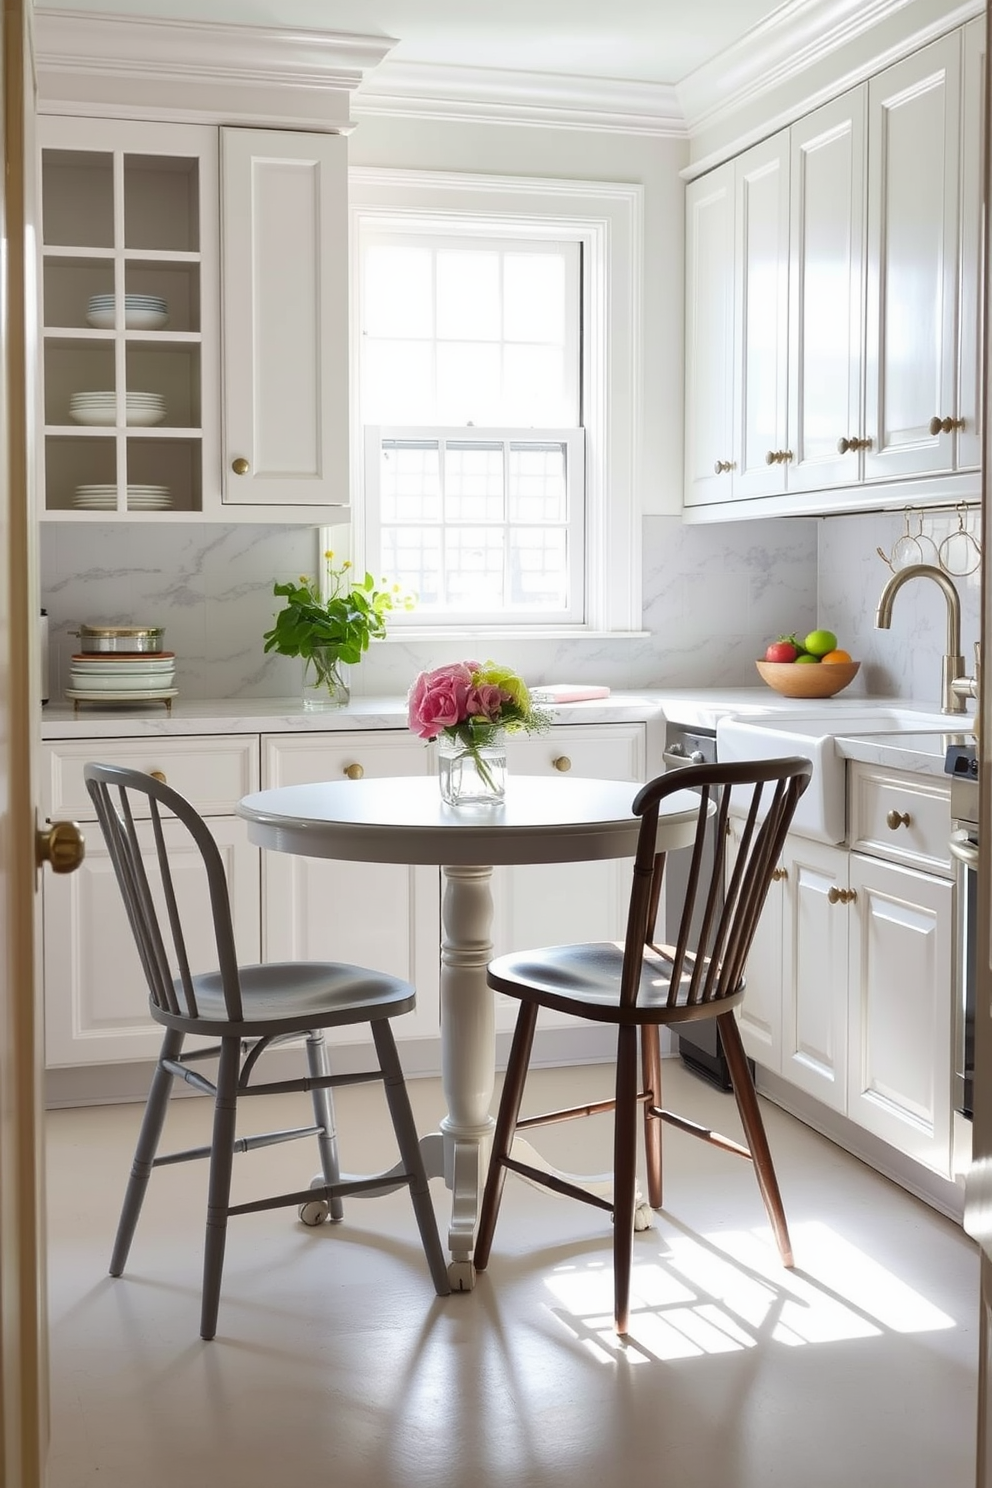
699, 1048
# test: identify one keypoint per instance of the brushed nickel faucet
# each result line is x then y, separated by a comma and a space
952, 666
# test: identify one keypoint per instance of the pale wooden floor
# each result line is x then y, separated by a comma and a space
336, 1364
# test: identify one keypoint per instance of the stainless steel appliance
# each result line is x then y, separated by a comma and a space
699, 1048
961, 763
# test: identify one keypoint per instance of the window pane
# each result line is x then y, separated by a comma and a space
473, 558
468, 295
468, 385
534, 297
412, 558
537, 483
410, 482
538, 567
533, 379
397, 382
398, 291
473, 483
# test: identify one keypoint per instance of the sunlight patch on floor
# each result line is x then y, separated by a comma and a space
728, 1291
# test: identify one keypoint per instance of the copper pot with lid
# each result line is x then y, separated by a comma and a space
94, 639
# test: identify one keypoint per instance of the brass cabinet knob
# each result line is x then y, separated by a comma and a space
778, 457
853, 444
240, 466
945, 425
896, 819
778, 874
62, 845
562, 763
354, 772
835, 896
158, 775
850, 896
722, 467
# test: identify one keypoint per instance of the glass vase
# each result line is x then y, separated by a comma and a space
472, 773
325, 679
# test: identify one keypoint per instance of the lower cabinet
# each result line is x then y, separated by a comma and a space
849, 981
291, 908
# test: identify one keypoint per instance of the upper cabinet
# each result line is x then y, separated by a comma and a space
194, 323
864, 219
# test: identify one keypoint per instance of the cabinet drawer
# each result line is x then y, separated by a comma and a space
609, 751
212, 773
302, 759
880, 803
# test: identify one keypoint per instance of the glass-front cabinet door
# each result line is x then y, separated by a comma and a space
129, 332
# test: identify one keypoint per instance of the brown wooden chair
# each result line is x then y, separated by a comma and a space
248, 1009
640, 985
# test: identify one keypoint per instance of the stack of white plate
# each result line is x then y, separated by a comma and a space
142, 312
139, 498
101, 408
122, 678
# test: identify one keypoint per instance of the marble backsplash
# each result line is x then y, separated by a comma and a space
713, 597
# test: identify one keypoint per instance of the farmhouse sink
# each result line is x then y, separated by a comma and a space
821, 811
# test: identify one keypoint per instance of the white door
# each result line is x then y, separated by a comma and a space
709, 337
23, 1343
814, 1052
911, 335
826, 294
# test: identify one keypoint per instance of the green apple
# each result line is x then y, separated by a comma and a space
819, 642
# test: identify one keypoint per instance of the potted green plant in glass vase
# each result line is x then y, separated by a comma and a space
331, 631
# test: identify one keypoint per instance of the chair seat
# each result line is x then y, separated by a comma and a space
291, 996
584, 980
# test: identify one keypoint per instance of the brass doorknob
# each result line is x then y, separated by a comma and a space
240, 466
896, 819
354, 772
562, 763
62, 845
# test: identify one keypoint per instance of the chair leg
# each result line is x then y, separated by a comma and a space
651, 1071
624, 1173
144, 1153
408, 1142
219, 1185
323, 1111
506, 1125
754, 1130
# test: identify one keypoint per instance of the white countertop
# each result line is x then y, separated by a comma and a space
700, 708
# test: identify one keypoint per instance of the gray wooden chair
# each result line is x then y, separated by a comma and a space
641, 986
248, 1009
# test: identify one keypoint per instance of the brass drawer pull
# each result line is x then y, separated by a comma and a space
158, 775
354, 772
562, 763
897, 819
842, 896
240, 466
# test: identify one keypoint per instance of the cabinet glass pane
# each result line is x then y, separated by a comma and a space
161, 203
77, 199
71, 463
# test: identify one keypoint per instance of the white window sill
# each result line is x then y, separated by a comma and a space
406, 633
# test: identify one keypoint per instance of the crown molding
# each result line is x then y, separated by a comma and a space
125, 66
794, 37
411, 90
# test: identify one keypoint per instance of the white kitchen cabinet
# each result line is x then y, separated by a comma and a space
96, 997
140, 209
826, 294
709, 338
382, 915
285, 318
913, 239
968, 453
849, 980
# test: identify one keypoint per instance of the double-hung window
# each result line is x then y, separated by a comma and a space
481, 360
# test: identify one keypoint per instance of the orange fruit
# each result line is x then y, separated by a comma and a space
836, 656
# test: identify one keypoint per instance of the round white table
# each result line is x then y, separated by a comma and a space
403, 820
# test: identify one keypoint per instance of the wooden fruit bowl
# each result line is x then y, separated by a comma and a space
808, 681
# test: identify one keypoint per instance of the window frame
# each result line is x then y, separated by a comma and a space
606, 219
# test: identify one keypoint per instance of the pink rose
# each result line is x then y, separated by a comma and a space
439, 699
486, 701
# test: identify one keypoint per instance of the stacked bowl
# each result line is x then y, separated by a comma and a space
122, 677
142, 312
141, 409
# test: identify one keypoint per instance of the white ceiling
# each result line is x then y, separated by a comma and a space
647, 41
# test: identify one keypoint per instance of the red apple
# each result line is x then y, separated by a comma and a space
781, 651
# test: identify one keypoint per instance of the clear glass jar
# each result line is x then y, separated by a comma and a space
325, 679
472, 774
